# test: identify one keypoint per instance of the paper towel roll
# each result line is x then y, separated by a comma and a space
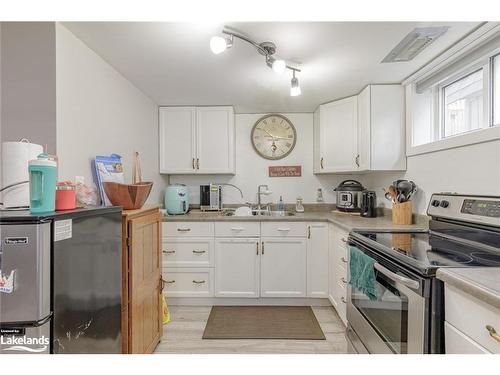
15, 158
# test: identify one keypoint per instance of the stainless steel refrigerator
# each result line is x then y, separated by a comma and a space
60, 282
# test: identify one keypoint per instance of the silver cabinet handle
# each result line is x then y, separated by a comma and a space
357, 160
493, 333
309, 232
168, 281
257, 248
183, 229
321, 163
199, 251
343, 299
344, 240
343, 280
344, 260
237, 228
199, 282
262, 247
197, 163
168, 251
283, 229
393, 276
194, 166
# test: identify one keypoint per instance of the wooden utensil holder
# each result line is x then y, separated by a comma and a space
402, 213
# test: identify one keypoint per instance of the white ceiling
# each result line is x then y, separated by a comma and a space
172, 62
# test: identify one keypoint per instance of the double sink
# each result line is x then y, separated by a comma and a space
231, 212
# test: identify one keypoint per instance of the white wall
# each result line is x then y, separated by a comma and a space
252, 170
99, 112
473, 169
28, 87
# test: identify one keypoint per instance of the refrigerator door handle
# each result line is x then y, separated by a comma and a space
35, 323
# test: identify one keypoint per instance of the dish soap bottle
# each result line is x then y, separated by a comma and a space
319, 196
299, 207
281, 205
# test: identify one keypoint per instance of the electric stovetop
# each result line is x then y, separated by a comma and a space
425, 252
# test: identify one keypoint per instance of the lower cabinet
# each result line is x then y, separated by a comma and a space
338, 263
141, 274
188, 282
317, 260
283, 271
237, 267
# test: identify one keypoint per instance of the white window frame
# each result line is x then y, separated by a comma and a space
488, 132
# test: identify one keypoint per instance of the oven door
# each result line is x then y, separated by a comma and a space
394, 323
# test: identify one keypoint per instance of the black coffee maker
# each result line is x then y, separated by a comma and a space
368, 203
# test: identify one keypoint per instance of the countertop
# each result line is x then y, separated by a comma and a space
346, 221
480, 282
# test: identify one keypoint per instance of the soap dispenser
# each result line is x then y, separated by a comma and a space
299, 207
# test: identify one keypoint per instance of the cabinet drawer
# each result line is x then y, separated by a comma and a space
283, 229
341, 292
188, 282
188, 252
471, 316
187, 229
458, 343
341, 276
237, 229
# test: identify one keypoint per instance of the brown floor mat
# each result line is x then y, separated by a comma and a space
263, 322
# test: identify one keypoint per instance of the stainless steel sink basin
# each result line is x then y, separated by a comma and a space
263, 213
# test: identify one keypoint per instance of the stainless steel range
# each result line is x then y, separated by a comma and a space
407, 315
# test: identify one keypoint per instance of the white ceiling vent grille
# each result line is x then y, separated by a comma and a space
414, 43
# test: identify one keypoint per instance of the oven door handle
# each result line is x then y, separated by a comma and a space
413, 284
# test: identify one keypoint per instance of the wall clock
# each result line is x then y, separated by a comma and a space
273, 136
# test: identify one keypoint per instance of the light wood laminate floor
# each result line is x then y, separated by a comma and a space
183, 336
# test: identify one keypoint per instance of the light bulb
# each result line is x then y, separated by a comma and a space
279, 66
218, 44
295, 88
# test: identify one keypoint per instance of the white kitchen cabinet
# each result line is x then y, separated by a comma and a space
335, 145
282, 264
381, 128
317, 260
337, 270
361, 133
197, 140
215, 140
237, 267
177, 133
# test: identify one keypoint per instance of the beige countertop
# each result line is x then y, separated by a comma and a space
480, 282
346, 221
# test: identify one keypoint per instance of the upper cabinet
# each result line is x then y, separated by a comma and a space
196, 140
335, 136
361, 133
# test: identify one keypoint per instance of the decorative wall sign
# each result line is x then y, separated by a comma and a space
285, 171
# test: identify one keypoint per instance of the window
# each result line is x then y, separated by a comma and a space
463, 105
496, 90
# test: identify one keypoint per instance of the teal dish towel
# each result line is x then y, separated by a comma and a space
362, 273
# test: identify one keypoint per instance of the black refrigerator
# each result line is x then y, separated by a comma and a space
84, 288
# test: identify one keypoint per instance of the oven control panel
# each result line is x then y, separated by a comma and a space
479, 209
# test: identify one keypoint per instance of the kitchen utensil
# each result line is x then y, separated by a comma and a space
368, 204
43, 180
65, 196
391, 194
349, 195
177, 199
243, 211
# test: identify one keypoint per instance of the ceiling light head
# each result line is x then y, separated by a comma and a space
219, 44
279, 66
295, 88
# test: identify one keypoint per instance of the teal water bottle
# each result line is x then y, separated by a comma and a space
43, 181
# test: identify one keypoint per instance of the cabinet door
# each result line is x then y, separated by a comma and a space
317, 261
364, 125
338, 136
144, 283
177, 140
237, 267
215, 140
283, 267
332, 276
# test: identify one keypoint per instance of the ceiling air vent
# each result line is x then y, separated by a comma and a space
414, 43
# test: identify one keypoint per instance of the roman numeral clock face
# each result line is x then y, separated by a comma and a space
273, 137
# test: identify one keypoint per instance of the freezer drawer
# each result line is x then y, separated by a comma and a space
25, 272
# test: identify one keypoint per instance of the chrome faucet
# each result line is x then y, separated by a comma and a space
260, 193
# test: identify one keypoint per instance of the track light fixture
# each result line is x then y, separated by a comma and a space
219, 44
